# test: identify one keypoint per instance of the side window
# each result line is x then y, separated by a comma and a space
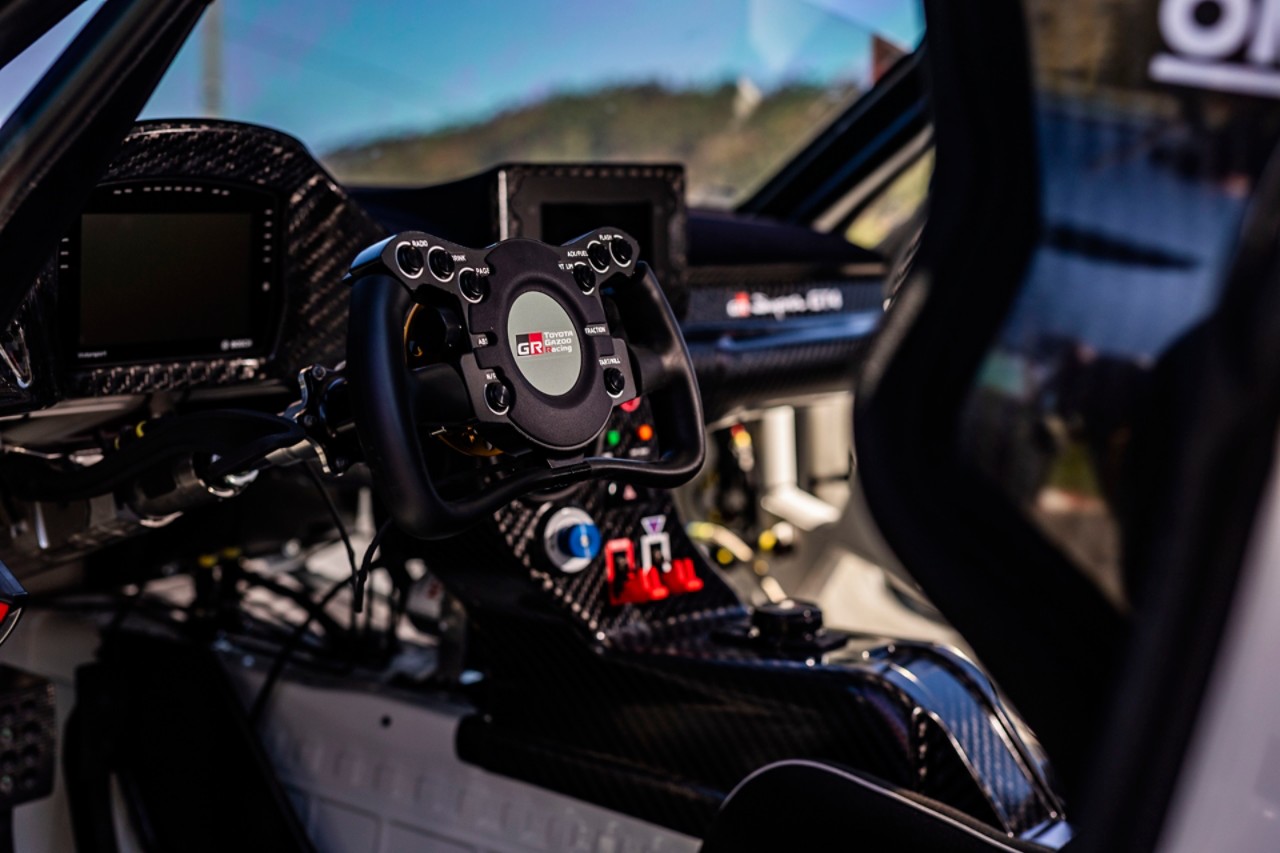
895, 205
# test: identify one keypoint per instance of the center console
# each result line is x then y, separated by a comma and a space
621, 669
544, 399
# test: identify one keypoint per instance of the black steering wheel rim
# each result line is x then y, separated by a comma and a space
393, 402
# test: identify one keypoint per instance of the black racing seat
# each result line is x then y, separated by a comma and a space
808, 805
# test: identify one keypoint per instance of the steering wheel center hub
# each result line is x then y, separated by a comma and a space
544, 343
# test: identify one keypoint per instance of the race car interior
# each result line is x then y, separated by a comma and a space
520, 510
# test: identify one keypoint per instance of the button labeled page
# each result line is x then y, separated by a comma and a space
545, 343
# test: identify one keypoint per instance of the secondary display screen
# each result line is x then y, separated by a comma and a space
175, 271
147, 278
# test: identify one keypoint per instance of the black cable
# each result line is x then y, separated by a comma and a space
291, 644
357, 583
224, 433
299, 597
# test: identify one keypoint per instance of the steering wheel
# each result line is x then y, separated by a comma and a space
528, 348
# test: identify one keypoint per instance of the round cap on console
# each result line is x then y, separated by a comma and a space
545, 343
580, 540
787, 621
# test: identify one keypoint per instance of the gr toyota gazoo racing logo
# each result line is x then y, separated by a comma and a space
544, 343
530, 344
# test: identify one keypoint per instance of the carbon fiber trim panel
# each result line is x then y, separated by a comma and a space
582, 598
647, 709
324, 229
761, 333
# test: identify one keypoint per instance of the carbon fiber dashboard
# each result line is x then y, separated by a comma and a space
322, 230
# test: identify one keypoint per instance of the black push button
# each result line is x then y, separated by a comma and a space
441, 263
585, 278
621, 251
498, 397
471, 284
614, 382
599, 257
410, 260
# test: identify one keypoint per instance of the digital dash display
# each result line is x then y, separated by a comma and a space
170, 272
147, 278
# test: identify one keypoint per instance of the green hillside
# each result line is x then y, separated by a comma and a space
728, 140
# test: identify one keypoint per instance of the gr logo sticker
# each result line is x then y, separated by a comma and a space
1225, 45
544, 343
530, 344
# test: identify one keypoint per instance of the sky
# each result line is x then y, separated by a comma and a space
334, 72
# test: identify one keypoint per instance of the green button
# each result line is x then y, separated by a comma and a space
613, 437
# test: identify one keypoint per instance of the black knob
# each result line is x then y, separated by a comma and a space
441, 263
498, 396
472, 285
599, 257
436, 333
410, 260
621, 251
787, 621
614, 382
585, 278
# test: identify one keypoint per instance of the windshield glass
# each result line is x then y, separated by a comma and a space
413, 92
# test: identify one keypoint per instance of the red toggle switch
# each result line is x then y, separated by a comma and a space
627, 583
682, 578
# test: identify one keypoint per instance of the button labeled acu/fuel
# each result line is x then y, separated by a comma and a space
599, 256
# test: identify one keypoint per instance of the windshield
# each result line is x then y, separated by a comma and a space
411, 92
